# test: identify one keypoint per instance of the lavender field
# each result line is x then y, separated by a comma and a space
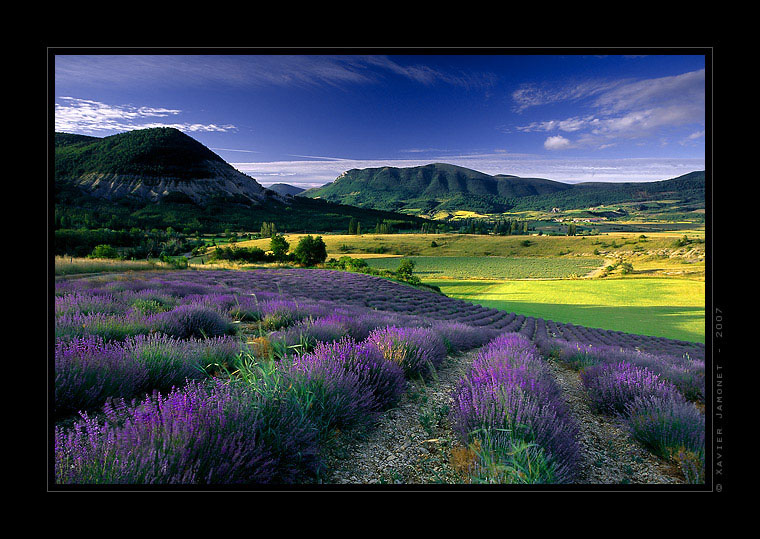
245, 377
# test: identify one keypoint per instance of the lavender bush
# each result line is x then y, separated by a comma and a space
383, 378
219, 433
672, 428
612, 386
89, 370
508, 400
415, 350
191, 321
333, 395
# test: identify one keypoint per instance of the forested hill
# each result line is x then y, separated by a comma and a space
447, 187
286, 189
160, 177
428, 187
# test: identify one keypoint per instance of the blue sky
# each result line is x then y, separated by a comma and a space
304, 119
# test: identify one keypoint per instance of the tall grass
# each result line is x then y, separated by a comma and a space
65, 265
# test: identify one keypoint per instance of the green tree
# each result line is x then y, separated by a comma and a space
405, 269
352, 226
279, 247
310, 251
104, 251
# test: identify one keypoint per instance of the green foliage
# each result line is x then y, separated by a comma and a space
268, 229
279, 247
240, 254
144, 152
405, 269
104, 251
310, 251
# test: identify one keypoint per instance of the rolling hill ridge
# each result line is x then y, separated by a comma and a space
441, 186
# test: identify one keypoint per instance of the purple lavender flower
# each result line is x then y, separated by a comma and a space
612, 386
88, 370
672, 428
220, 433
335, 396
187, 321
509, 399
415, 350
384, 379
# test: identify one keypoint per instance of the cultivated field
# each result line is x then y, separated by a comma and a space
672, 308
493, 267
663, 294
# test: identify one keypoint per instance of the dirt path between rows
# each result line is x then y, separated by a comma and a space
609, 454
412, 443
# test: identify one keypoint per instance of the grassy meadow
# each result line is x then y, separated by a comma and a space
660, 307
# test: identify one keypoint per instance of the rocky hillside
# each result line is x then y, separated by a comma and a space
149, 165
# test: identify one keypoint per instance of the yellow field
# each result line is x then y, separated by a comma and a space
479, 245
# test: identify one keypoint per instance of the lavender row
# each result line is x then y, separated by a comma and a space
370, 292
509, 410
656, 412
686, 374
265, 425
90, 370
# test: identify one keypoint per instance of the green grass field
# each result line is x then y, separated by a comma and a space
493, 267
662, 307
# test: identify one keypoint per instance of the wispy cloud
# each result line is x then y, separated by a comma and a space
73, 115
529, 95
623, 109
253, 70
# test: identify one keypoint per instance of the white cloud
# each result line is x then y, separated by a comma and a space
623, 109
557, 142
73, 115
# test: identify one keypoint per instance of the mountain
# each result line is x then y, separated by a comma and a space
149, 165
161, 177
440, 186
428, 188
286, 189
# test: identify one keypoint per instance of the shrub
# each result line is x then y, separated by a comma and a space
509, 408
108, 327
612, 386
416, 350
188, 321
167, 361
458, 336
384, 379
279, 247
104, 251
89, 370
333, 396
310, 251
672, 428
220, 433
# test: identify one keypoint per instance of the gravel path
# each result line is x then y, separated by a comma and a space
610, 455
412, 443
